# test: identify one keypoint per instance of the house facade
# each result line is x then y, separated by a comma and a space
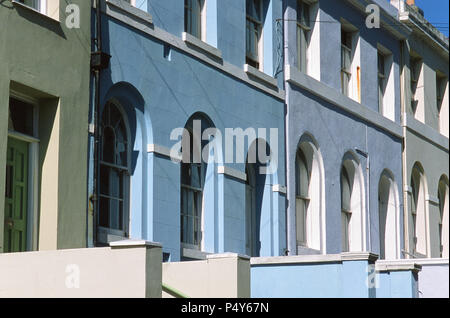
185, 75
294, 148
44, 98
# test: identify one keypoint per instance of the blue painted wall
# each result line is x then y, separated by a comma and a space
336, 131
348, 279
159, 95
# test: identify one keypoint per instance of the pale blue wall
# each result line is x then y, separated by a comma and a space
348, 279
161, 94
337, 131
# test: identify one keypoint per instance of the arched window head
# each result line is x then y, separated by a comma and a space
114, 176
346, 211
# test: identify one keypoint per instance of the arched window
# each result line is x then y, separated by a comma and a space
255, 168
309, 200
352, 205
443, 196
193, 172
250, 209
346, 211
114, 176
302, 198
418, 230
387, 212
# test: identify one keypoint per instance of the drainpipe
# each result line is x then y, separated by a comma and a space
99, 61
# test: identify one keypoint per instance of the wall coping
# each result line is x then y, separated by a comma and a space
397, 265
359, 256
296, 259
134, 243
228, 255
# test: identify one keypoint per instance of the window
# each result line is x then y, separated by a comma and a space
414, 215
346, 61
302, 198
387, 211
346, 212
415, 70
250, 209
441, 86
114, 176
253, 32
419, 232
192, 183
381, 81
303, 34
35, 4
193, 16
443, 218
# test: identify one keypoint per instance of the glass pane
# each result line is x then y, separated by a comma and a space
344, 229
345, 191
301, 224
103, 212
114, 214
21, 116
9, 173
346, 58
196, 176
380, 64
31, 3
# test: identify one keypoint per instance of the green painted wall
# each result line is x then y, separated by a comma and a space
44, 59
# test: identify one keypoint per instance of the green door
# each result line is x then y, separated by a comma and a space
16, 196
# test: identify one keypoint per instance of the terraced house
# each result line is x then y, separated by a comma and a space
272, 148
44, 98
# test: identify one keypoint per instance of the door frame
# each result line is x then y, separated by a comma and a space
33, 171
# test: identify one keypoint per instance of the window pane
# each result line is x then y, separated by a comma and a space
345, 233
21, 115
301, 224
345, 191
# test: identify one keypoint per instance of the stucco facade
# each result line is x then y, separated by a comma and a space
341, 127
45, 64
161, 82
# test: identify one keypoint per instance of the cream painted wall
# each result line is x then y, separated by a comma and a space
219, 276
111, 272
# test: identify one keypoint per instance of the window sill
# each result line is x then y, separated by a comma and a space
193, 254
131, 10
200, 45
22, 5
261, 76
